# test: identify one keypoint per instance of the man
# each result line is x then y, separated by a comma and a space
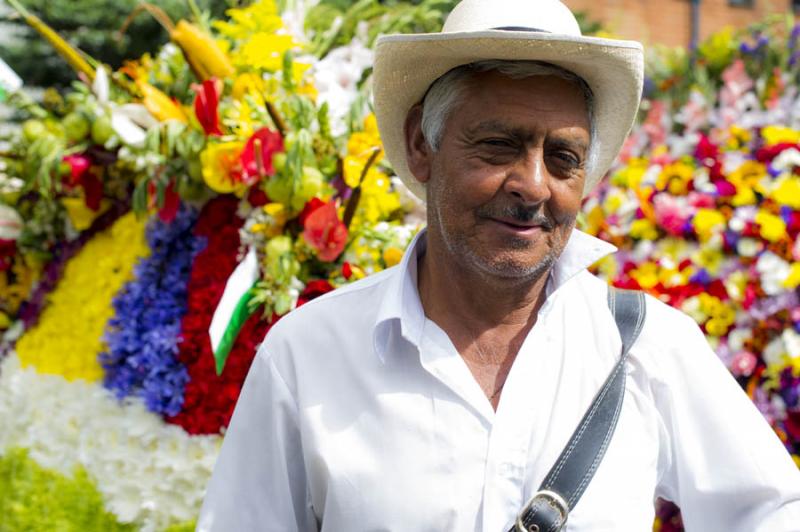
438, 394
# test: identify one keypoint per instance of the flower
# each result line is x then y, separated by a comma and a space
68, 337
257, 155
149, 473
209, 399
222, 166
144, 334
206, 103
325, 232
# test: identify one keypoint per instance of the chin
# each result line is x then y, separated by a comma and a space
511, 266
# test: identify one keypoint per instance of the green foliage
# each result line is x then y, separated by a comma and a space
34, 499
92, 26
333, 23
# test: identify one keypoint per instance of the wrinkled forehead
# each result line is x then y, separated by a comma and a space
499, 97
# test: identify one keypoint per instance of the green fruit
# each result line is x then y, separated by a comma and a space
102, 130
279, 189
33, 129
76, 127
310, 185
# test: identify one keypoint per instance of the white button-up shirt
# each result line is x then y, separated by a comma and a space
358, 414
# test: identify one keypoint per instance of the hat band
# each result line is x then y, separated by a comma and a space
521, 28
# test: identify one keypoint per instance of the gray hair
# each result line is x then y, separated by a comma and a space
447, 91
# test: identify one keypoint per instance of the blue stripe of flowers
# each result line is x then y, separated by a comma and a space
144, 334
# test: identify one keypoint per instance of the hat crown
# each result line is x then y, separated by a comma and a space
544, 15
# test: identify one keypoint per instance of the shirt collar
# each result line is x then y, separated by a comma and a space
401, 303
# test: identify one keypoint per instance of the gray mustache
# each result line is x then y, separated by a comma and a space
519, 213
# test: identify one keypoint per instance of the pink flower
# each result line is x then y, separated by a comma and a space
743, 364
269, 142
671, 213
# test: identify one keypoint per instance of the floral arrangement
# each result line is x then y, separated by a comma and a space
157, 220
133, 203
704, 204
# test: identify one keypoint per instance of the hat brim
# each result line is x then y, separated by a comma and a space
406, 65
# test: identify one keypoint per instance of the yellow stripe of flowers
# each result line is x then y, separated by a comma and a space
68, 337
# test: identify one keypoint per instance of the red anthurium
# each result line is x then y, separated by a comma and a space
257, 155
312, 205
325, 232
206, 103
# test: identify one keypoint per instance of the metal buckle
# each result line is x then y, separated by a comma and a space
551, 498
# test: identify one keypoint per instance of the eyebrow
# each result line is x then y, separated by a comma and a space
497, 126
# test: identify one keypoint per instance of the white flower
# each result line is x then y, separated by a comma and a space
149, 473
773, 271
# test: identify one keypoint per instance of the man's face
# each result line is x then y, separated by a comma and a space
506, 184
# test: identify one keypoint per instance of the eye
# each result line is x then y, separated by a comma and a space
567, 158
497, 142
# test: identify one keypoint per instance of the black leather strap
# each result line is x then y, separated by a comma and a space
567, 480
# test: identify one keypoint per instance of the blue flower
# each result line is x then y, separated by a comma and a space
143, 336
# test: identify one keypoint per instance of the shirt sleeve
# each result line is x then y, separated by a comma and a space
728, 471
259, 481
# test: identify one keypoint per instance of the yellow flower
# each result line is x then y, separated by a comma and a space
771, 227
248, 84
258, 17
264, 51
392, 256
630, 176
774, 135
68, 337
792, 281
706, 222
79, 214
222, 166
643, 229
675, 177
787, 192
796, 460
277, 217
739, 137
646, 274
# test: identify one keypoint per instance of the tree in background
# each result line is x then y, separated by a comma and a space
92, 26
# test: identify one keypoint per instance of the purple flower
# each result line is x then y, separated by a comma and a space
144, 334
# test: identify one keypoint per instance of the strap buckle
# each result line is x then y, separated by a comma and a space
551, 499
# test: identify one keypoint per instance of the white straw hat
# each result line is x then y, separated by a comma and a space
476, 30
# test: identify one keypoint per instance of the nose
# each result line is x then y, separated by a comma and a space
528, 179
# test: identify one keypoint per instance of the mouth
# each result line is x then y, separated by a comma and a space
518, 228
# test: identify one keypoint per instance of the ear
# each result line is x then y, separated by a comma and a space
418, 152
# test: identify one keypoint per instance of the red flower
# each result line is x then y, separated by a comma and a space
8, 248
270, 142
81, 174
325, 232
310, 206
257, 197
313, 290
206, 103
209, 399
78, 166
766, 155
172, 201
